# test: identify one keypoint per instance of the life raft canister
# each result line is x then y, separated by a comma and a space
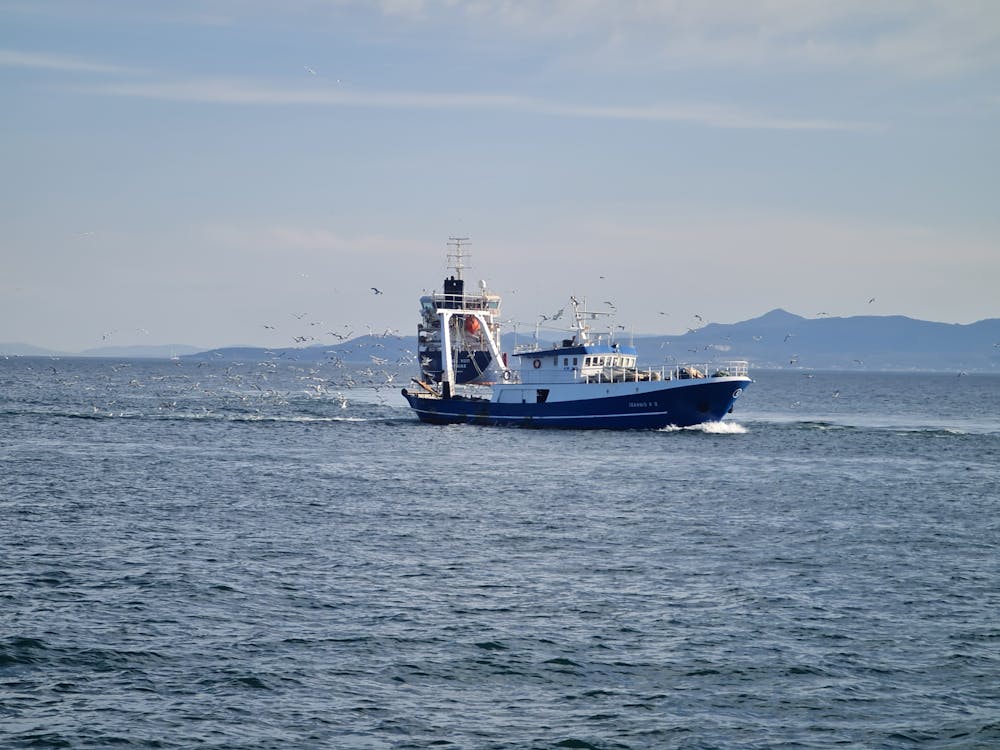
472, 325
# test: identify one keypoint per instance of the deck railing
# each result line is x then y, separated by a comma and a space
731, 368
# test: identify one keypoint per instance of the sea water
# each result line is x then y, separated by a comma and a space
277, 555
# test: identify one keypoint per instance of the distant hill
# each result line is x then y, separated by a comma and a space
363, 349
141, 352
18, 349
784, 340
778, 339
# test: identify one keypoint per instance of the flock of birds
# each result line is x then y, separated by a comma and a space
341, 368
303, 369
250, 389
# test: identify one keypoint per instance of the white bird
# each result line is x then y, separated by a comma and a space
309, 70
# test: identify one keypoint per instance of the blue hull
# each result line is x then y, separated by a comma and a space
693, 403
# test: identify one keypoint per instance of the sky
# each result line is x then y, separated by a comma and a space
223, 172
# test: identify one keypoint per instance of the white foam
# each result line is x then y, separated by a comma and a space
710, 428
720, 428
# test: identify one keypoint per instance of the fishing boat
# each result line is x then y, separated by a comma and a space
585, 380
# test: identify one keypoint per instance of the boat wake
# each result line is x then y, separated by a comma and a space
901, 426
185, 416
710, 428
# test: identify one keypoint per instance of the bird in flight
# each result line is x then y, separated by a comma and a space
376, 291
871, 300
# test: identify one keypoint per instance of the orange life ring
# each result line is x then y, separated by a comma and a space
536, 364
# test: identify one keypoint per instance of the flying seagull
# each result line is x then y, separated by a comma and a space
376, 291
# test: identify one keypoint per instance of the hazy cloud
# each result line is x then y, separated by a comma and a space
64, 63
912, 38
232, 91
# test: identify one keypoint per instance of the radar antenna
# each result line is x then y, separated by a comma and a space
456, 258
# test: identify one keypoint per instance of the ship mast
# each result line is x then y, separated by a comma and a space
456, 258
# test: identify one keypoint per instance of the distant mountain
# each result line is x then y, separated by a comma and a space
782, 339
363, 349
141, 352
17, 349
778, 339
123, 352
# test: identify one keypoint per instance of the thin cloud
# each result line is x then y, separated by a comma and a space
10, 58
913, 39
238, 92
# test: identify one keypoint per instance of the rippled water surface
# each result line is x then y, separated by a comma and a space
250, 556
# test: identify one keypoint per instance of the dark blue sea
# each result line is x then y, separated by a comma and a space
278, 555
